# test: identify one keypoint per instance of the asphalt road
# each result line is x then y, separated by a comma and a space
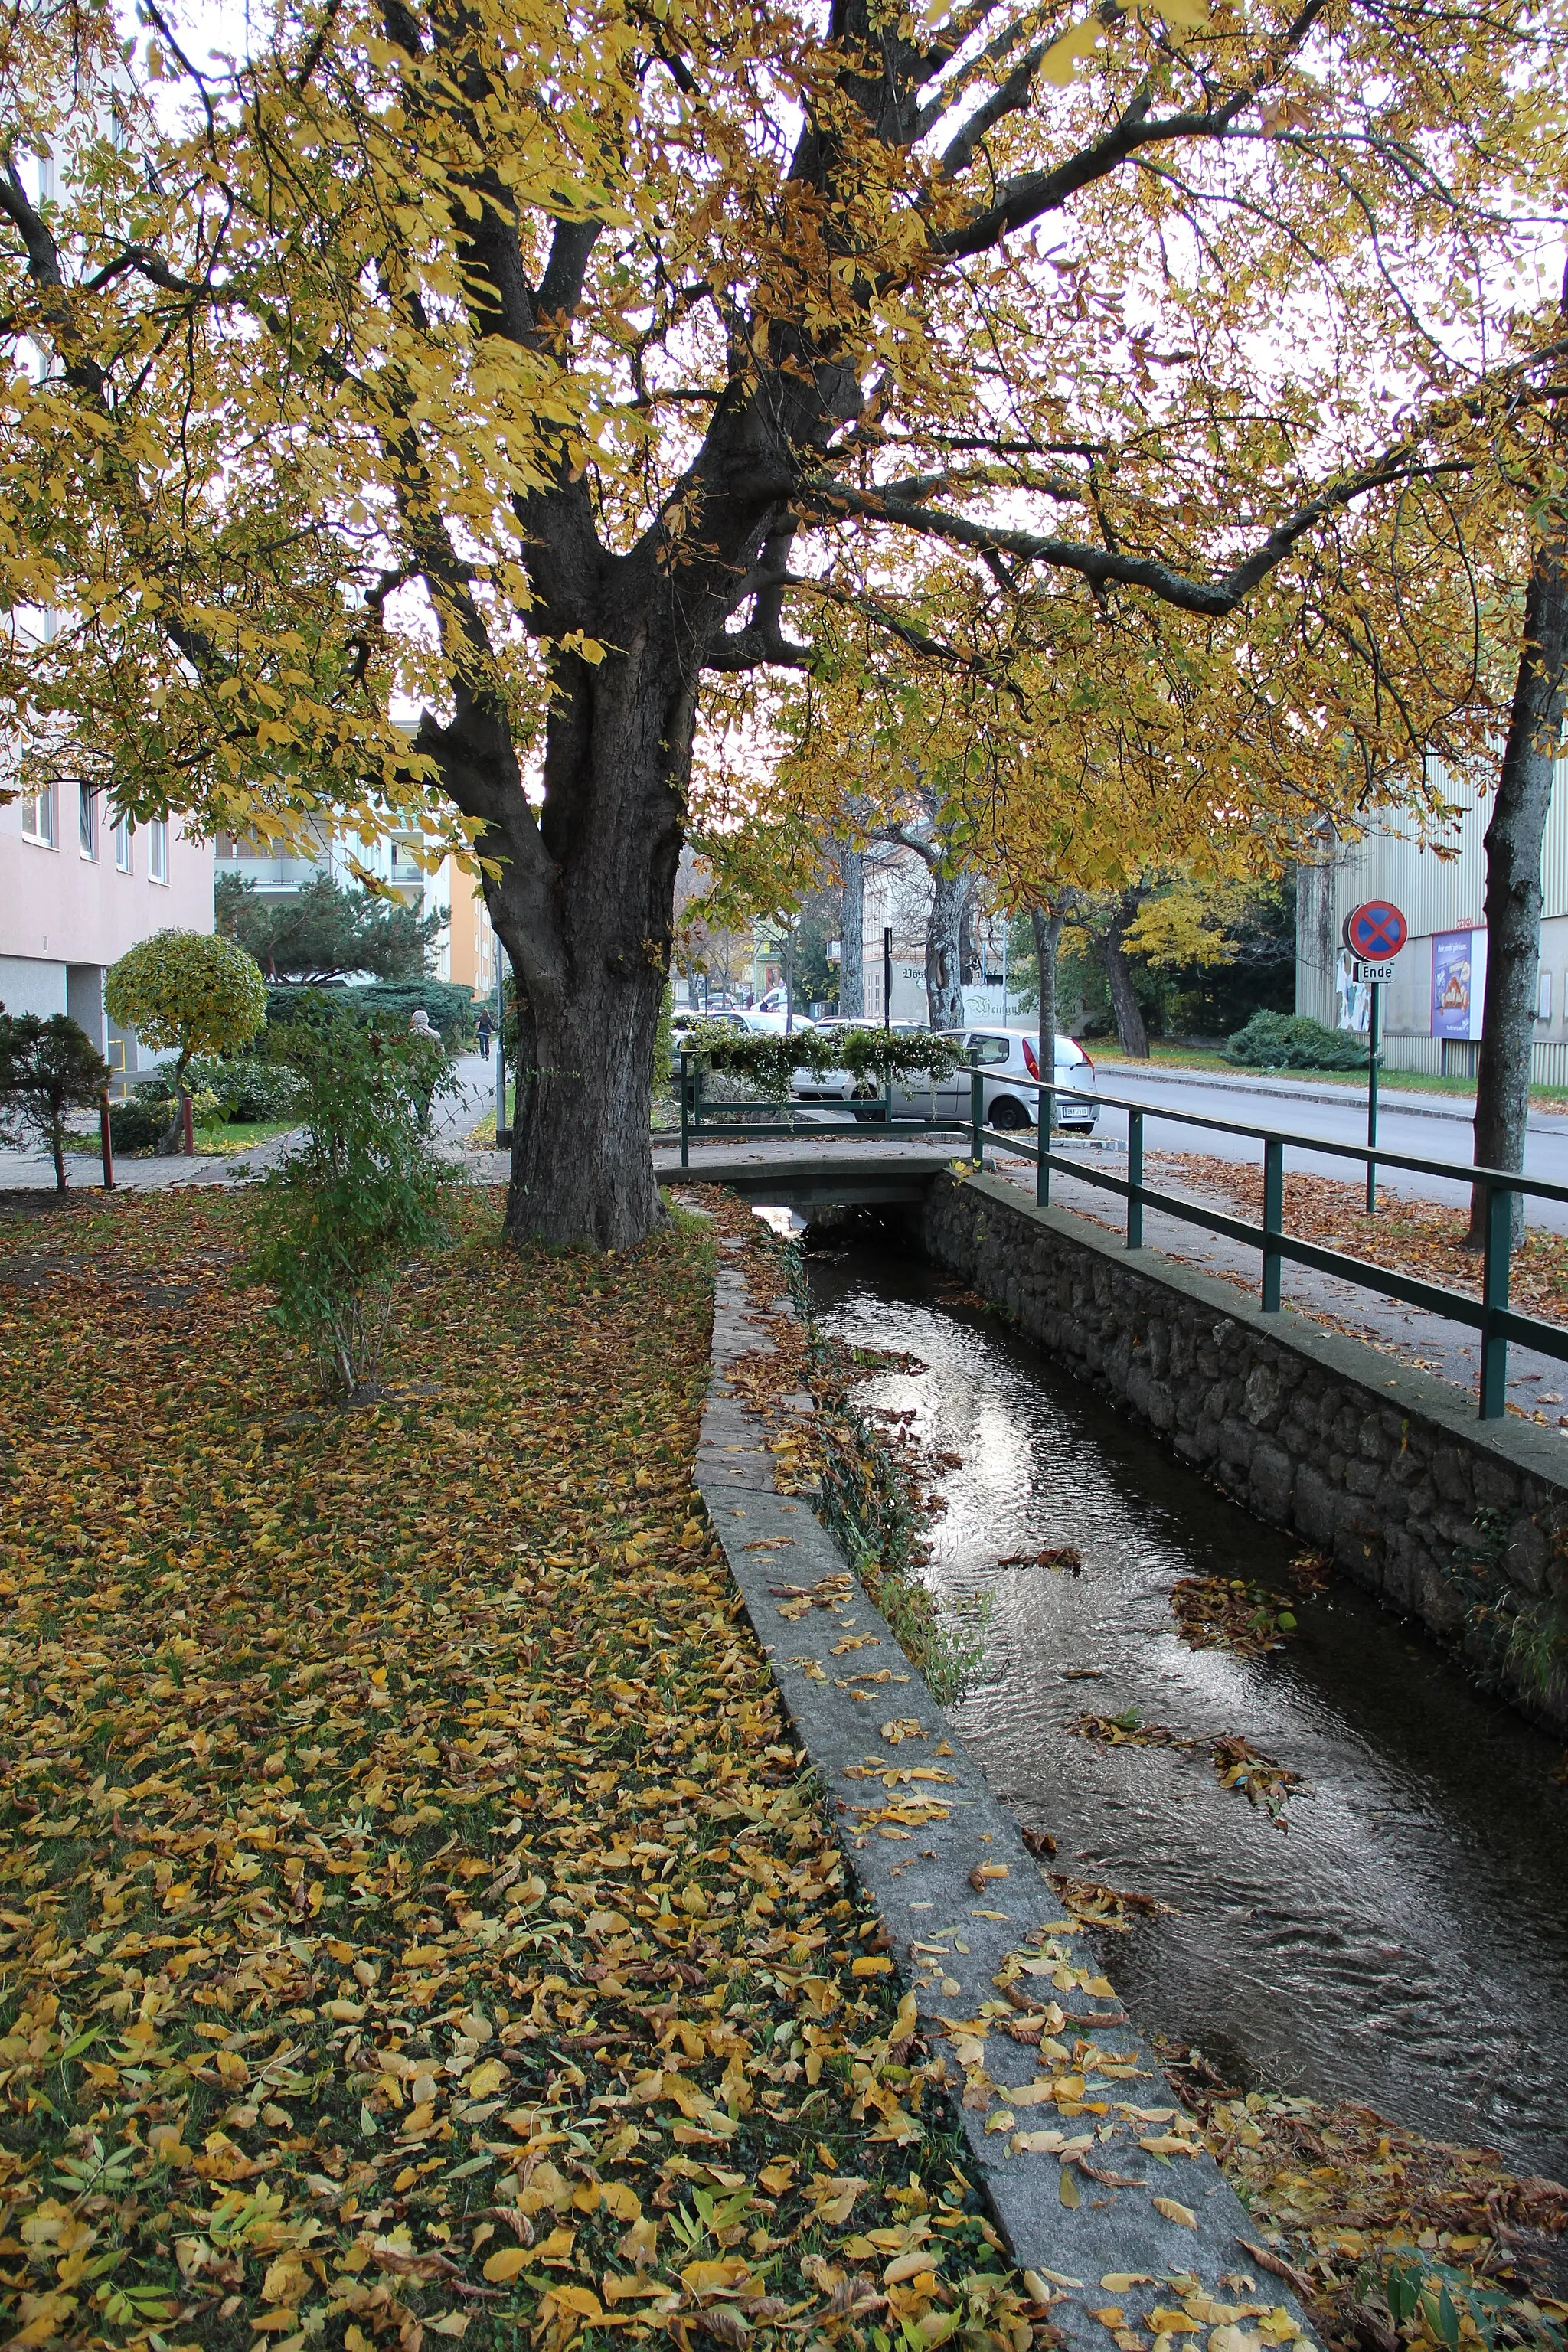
1433, 1130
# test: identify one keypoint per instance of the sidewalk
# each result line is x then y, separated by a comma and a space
1537, 1385
1389, 1096
33, 1172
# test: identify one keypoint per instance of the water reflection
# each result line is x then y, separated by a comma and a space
1406, 1941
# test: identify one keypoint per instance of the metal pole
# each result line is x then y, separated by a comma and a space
887, 976
1134, 1179
503, 1135
1371, 1098
1273, 1219
685, 1131
106, 1140
187, 1127
1497, 1246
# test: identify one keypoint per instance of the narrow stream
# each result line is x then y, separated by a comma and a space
1404, 1941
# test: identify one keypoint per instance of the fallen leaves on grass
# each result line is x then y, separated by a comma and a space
413, 1921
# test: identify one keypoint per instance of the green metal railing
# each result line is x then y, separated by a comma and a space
1489, 1315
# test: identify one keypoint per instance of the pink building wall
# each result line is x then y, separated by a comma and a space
65, 917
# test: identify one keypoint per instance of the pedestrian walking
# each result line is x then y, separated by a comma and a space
484, 1029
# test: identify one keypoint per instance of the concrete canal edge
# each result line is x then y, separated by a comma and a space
976, 1933
1460, 1523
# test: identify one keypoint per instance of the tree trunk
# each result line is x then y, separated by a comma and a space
1513, 899
852, 933
57, 1143
1048, 931
588, 929
944, 993
1125, 1004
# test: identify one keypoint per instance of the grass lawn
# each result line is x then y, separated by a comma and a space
1201, 1057
220, 1136
414, 1923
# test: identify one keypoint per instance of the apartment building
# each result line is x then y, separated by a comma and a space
77, 889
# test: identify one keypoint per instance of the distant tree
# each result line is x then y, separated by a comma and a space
324, 932
48, 1068
187, 993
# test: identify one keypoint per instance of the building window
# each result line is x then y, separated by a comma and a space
122, 845
86, 820
158, 850
39, 815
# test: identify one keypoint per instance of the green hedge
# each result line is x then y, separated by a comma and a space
1294, 1041
387, 1003
877, 1056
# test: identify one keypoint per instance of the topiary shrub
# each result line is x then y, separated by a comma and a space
1294, 1041
187, 993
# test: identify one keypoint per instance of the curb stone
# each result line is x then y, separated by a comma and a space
915, 1818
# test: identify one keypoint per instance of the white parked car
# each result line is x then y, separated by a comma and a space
1006, 1056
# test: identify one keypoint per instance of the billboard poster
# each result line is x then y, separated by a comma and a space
1458, 981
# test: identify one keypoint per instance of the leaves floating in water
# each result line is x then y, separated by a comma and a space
1237, 1763
1372, 2225
1217, 1613
1126, 1731
1105, 1906
1058, 1556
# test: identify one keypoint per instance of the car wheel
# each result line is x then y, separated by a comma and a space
1008, 1115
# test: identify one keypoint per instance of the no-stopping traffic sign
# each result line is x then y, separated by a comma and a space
1375, 933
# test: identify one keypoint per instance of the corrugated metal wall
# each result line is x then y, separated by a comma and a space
1439, 886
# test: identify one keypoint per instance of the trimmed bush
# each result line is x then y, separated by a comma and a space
873, 1055
249, 1090
1294, 1041
382, 1005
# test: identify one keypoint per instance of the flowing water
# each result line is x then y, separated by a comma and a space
1404, 1941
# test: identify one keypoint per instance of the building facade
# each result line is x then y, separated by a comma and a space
1431, 1011
76, 890
466, 949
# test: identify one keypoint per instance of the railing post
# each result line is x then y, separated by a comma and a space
976, 1115
685, 1110
1044, 1102
1134, 1179
1273, 1219
1494, 1300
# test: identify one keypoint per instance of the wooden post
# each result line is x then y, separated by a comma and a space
106, 1140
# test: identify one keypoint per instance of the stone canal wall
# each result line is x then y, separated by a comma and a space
1459, 1522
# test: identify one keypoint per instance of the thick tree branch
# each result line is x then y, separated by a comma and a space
1105, 567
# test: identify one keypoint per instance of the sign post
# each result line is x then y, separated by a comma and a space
1373, 934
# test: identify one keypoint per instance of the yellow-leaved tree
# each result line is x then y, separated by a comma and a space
420, 410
